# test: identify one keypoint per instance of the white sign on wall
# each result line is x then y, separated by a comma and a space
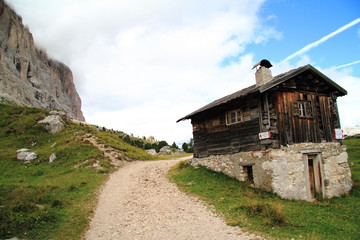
339, 133
264, 135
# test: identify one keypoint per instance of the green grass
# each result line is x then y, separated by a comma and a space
39, 200
117, 143
270, 216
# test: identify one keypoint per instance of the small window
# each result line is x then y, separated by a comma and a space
302, 109
233, 117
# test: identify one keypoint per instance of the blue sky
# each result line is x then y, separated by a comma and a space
140, 65
302, 22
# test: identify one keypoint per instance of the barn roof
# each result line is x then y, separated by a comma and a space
283, 77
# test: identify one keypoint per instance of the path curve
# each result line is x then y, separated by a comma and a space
139, 202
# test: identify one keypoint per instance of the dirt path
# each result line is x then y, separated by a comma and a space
138, 202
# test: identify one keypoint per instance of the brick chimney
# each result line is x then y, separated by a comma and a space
263, 73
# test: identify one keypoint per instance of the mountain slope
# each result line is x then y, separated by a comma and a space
27, 76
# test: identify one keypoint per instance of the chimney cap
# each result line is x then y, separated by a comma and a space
263, 63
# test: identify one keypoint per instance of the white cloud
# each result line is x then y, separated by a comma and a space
141, 65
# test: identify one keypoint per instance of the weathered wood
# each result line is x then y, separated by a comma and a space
295, 129
298, 108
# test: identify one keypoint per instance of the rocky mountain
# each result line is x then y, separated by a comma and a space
27, 75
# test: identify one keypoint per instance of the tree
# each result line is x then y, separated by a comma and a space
159, 145
127, 139
148, 146
174, 146
185, 146
191, 146
188, 147
162, 144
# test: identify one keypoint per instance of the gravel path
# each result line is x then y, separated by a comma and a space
138, 202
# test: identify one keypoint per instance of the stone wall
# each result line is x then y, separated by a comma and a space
285, 171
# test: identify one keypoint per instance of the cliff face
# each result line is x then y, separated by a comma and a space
27, 76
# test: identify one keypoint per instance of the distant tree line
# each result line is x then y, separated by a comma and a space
141, 143
145, 144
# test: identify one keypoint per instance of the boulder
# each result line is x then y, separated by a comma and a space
53, 124
166, 150
52, 157
151, 152
26, 156
62, 114
180, 151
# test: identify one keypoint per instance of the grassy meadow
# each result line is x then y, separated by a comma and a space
42, 200
270, 216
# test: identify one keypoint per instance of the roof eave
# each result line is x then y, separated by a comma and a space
252, 89
274, 83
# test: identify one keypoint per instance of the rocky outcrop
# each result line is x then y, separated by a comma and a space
151, 151
165, 150
27, 76
54, 123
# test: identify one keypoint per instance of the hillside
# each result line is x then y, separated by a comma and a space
40, 200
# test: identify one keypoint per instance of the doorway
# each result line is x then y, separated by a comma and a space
249, 173
315, 176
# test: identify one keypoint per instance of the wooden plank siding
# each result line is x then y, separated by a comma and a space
325, 118
295, 129
226, 139
273, 113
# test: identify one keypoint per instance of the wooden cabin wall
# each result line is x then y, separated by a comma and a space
295, 129
268, 120
227, 139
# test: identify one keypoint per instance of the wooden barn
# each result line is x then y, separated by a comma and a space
293, 107
282, 134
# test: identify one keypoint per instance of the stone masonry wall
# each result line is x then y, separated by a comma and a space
284, 171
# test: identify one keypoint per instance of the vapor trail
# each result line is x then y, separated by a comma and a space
348, 64
323, 39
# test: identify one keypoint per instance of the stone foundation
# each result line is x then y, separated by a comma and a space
299, 171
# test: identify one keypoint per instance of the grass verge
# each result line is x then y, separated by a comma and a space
42, 200
271, 216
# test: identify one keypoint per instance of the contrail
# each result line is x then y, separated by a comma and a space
348, 64
323, 39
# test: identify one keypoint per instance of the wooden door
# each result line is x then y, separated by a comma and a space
311, 177
315, 176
